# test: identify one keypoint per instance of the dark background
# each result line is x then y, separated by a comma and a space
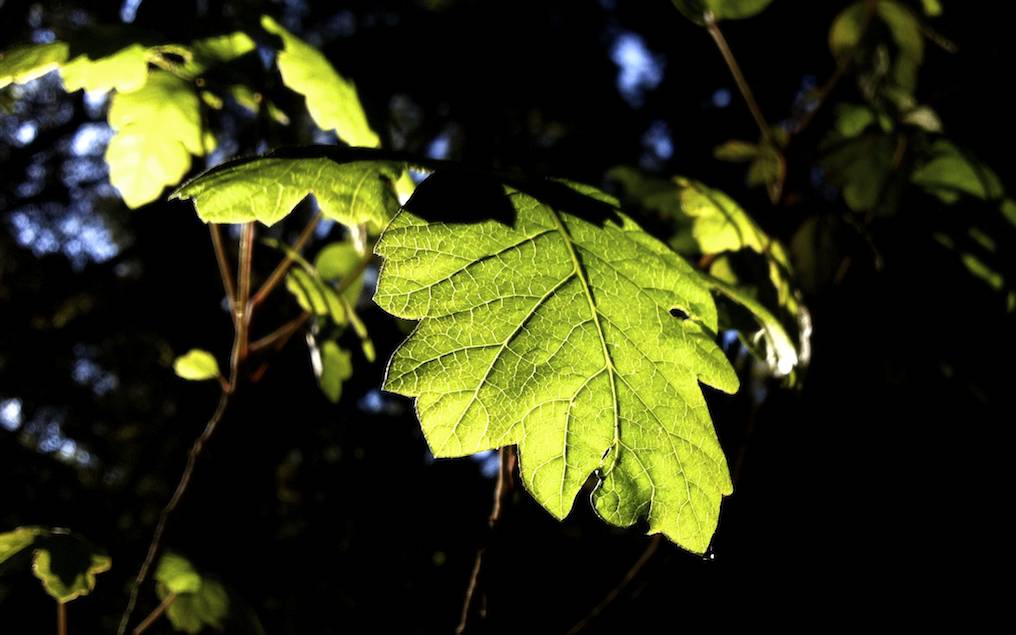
873, 489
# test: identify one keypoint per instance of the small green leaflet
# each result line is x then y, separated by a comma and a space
553, 331
177, 574
267, 188
65, 563
198, 601
331, 99
336, 367
158, 128
196, 365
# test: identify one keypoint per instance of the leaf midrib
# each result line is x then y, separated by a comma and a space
580, 273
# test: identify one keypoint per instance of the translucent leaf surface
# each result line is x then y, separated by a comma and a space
25, 63
158, 128
124, 70
196, 365
65, 563
331, 99
552, 329
177, 574
336, 367
267, 188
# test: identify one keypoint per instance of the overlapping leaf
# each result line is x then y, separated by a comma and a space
198, 602
553, 330
350, 191
707, 222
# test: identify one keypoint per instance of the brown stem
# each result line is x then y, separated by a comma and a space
735, 70
223, 262
61, 618
280, 271
242, 315
282, 333
505, 484
608, 599
181, 488
154, 615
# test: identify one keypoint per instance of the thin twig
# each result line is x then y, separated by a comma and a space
156, 614
242, 314
608, 599
223, 262
287, 262
735, 70
61, 618
282, 333
505, 485
181, 488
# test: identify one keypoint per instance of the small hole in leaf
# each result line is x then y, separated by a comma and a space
678, 313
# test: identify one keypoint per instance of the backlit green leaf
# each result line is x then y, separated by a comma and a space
553, 330
196, 365
25, 63
949, 172
268, 188
337, 261
177, 574
65, 563
331, 99
200, 601
158, 128
851, 26
314, 295
336, 367
125, 70
13, 542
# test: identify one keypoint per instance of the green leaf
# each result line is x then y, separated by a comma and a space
851, 25
200, 601
336, 367
25, 63
331, 99
337, 261
125, 70
736, 151
780, 351
196, 365
65, 563
213, 51
177, 574
853, 119
314, 295
158, 128
553, 331
13, 542
267, 188
860, 167
710, 223
949, 172
695, 10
